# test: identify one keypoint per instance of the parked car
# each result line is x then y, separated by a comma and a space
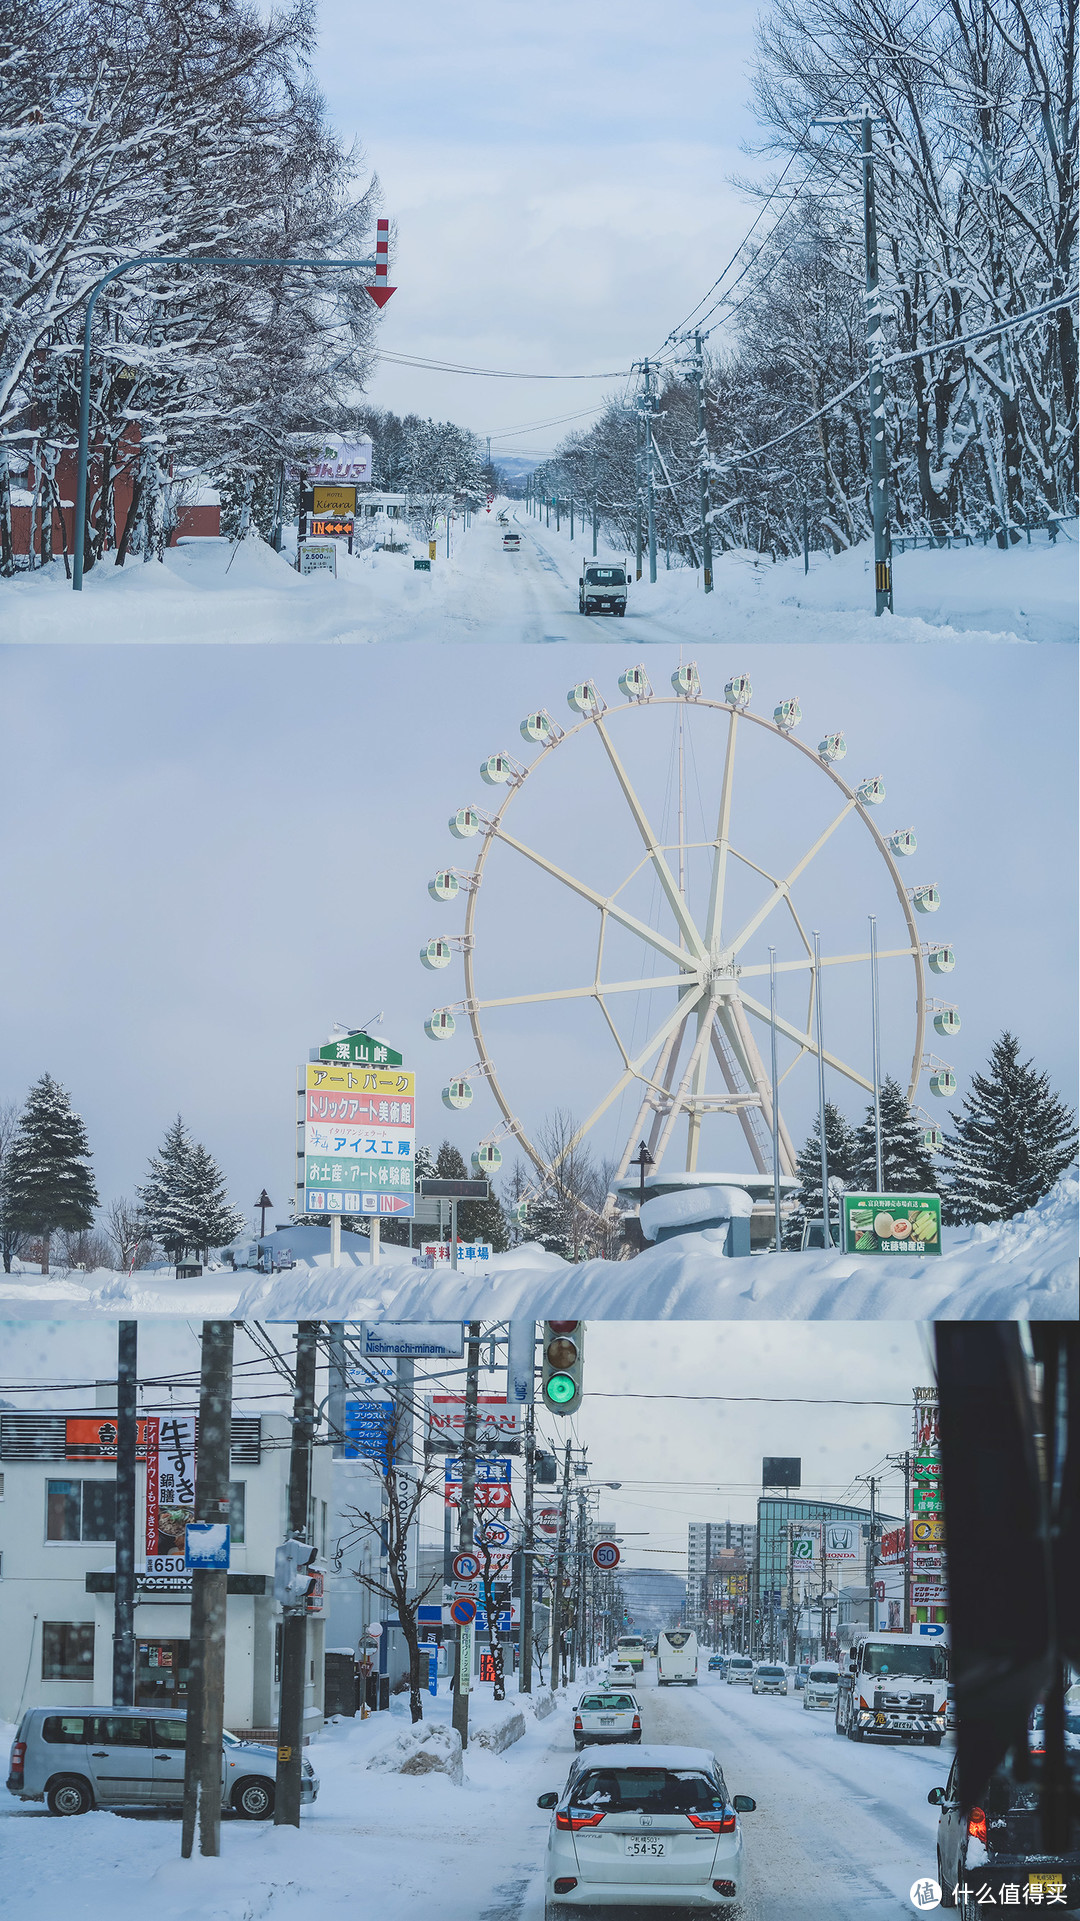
996, 1845
76, 1759
716, 1664
659, 1829
822, 1682
606, 1714
802, 1669
739, 1668
769, 1678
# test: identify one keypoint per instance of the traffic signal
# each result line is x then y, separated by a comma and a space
564, 1348
296, 1578
547, 1470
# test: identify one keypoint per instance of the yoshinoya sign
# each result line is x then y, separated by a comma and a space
170, 1483
908, 1224
498, 1423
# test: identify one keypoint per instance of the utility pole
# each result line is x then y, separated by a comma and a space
595, 518
463, 1661
123, 1676
907, 1542
879, 453
528, 1556
294, 1620
650, 497
209, 1595
556, 1654
703, 476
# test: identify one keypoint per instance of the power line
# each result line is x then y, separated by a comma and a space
492, 373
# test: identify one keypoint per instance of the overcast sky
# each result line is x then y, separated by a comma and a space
559, 177
678, 1459
213, 854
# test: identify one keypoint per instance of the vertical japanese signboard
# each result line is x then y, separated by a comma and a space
170, 1490
356, 1132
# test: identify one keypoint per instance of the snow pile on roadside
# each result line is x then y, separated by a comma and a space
1023, 1269
423, 1749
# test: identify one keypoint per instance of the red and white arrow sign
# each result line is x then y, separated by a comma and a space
379, 291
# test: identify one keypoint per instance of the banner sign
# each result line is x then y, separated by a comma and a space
926, 1440
893, 1547
367, 1430
170, 1482
496, 1422
89, 1437
333, 1107
342, 461
843, 1540
325, 1077
356, 1139
892, 1224
486, 1494
361, 1050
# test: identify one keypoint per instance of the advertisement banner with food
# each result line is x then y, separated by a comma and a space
170, 1483
892, 1224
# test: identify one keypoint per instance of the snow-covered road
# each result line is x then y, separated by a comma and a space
840, 1832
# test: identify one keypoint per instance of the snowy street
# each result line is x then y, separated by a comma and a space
839, 1834
210, 592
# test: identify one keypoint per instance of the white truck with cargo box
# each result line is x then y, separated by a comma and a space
602, 588
894, 1685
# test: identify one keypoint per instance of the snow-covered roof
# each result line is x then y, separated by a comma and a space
650, 1755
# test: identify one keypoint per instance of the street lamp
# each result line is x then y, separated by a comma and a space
380, 293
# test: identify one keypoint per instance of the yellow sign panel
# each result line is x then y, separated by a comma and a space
334, 500
928, 1528
431, 549
339, 1078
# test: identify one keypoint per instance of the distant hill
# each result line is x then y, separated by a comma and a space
654, 1598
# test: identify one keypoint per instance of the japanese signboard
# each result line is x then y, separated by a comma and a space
893, 1545
342, 1078
926, 1438
468, 1252
927, 1498
334, 500
170, 1484
356, 1132
91, 1437
496, 1422
340, 460
360, 1050
805, 1545
892, 1224
367, 1430
488, 1494
489, 1470
843, 1540
318, 557
927, 1528
413, 1340
929, 1594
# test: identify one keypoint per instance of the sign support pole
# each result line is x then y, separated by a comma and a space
775, 1098
209, 1596
463, 1663
825, 1209
123, 1678
879, 1169
335, 1239
294, 1622
528, 1566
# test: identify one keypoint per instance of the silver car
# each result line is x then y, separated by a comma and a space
76, 1759
769, 1678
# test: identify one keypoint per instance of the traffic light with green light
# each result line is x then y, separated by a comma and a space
564, 1350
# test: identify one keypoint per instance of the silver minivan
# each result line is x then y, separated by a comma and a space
822, 1683
739, 1668
76, 1759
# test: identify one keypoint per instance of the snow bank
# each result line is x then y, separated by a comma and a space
1024, 1269
681, 1210
424, 1749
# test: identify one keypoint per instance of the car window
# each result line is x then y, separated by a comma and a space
648, 1790
606, 1703
823, 1674
170, 1734
65, 1728
914, 1663
123, 1731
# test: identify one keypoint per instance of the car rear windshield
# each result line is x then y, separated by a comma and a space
823, 1674
605, 576
606, 1703
648, 1790
771, 1672
739, 1661
917, 1664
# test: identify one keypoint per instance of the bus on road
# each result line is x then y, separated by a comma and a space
676, 1656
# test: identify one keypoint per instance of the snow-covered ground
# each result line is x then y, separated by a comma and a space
839, 1832
207, 592
1025, 1269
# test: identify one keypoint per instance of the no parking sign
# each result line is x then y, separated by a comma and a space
463, 1610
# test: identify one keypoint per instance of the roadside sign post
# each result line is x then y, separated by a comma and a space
460, 1707
894, 1224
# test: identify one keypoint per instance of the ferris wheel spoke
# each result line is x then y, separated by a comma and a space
634, 1069
782, 888
806, 1042
605, 905
675, 898
827, 960
718, 879
596, 991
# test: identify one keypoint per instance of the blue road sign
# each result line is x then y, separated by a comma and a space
367, 1429
206, 1544
463, 1610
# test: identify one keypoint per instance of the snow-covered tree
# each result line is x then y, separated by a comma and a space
13, 1240
841, 1148
1013, 1139
184, 1199
906, 1164
48, 1183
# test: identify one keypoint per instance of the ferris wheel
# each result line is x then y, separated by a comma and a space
673, 916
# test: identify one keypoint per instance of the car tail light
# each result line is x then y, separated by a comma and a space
18, 1756
977, 1825
726, 1887
636, 1725
579, 1725
576, 1821
564, 1883
716, 1823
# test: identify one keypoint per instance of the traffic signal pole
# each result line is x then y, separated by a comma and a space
209, 1595
123, 1676
528, 1564
463, 1652
294, 1620
556, 1663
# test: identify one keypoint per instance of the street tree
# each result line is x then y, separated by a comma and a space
403, 1488
1012, 1140
131, 1246
48, 1183
906, 1164
184, 1199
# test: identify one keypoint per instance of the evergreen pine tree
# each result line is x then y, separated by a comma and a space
184, 1200
1012, 1140
47, 1179
906, 1163
841, 1148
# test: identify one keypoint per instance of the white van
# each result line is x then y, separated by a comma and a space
739, 1668
821, 1685
676, 1657
76, 1759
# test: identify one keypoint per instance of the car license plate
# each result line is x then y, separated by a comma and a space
1046, 1881
643, 1844
607, 1720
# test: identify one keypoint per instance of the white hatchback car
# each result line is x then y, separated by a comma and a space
657, 1830
606, 1714
620, 1671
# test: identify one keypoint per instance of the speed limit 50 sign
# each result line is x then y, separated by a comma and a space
605, 1554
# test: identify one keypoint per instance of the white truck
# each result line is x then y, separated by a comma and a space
602, 588
894, 1685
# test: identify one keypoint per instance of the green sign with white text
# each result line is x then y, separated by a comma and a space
902, 1224
359, 1050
